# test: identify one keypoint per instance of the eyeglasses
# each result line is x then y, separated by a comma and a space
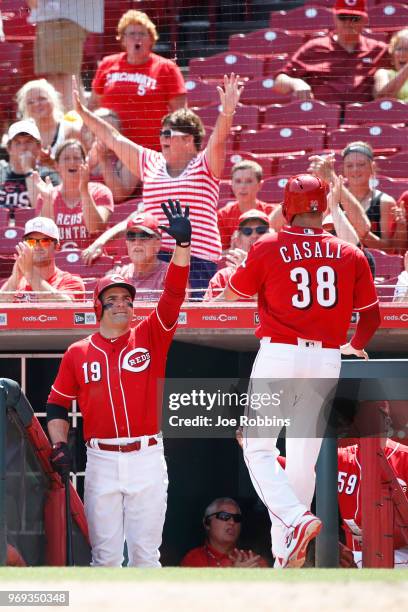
135, 34
44, 242
248, 231
132, 236
352, 18
168, 133
226, 516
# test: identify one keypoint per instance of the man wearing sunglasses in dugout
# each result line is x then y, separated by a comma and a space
145, 271
34, 269
338, 68
252, 225
222, 522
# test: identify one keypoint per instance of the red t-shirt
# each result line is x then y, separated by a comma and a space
117, 382
70, 221
349, 479
308, 284
335, 75
65, 282
207, 556
139, 94
228, 217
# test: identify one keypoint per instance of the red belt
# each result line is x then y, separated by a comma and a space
294, 341
125, 448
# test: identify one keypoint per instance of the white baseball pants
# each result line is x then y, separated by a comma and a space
288, 493
126, 498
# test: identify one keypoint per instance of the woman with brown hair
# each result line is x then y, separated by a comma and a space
80, 208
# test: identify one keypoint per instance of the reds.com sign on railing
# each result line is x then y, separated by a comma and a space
192, 316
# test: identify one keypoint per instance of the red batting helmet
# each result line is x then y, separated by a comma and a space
114, 280
304, 193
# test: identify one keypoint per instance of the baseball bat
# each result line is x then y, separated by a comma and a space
69, 546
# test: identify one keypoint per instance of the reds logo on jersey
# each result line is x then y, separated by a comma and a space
136, 360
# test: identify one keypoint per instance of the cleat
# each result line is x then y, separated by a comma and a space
299, 538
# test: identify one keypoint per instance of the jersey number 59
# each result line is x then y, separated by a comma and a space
326, 288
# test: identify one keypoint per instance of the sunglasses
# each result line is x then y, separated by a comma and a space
168, 133
226, 516
132, 236
248, 231
44, 242
352, 18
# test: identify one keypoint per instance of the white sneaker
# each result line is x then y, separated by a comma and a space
298, 539
279, 563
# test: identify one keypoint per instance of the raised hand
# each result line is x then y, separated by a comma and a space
231, 93
76, 101
322, 166
179, 224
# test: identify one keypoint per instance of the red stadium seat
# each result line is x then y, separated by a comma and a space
225, 190
388, 17
381, 137
272, 189
122, 211
22, 215
261, 92
245, 116
233, 158
307, 112
378, 111
390, 186
4, 216
265, 42
281, 139
395, 166
71, 261
9, 237
387, 266
215, 66
307, 18
289, 165
200, 93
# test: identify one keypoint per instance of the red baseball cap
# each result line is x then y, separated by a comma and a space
144, 221
351, 7
253, 214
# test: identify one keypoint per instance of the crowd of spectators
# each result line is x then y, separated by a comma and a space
134, 139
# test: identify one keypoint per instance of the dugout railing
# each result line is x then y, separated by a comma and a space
32, 495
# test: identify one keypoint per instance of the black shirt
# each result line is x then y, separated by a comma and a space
13, 189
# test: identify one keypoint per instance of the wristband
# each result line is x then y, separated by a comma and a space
29, 173
227, 114
183, 245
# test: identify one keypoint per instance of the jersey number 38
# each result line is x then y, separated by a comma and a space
326, 288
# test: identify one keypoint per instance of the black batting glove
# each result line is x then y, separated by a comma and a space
61, 459
180, 226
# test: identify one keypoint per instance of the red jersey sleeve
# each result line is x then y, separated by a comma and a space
247, 278
365, 295
70, 283
65, 387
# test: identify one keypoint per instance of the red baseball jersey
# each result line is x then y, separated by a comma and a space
308, 284
349, 478
116, 380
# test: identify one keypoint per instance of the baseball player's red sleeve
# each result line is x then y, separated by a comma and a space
367, 324
170, 302
364, 295
65, 387
246, 279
